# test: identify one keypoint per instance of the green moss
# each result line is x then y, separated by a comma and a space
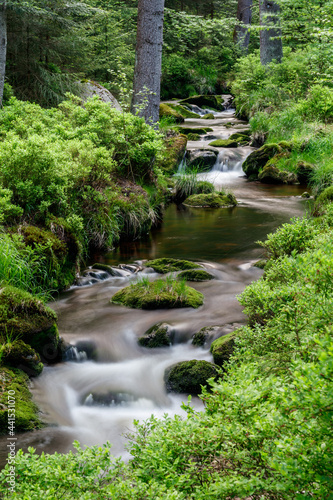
157, 336
24, 317
189, 376
326, 196
175, 148
223, 348
204, 335
183, 111
211, 101
193, 137
204, 187
258, 159
224, 143
154, 296
169, 265
272, 175
304, 171
241, 137
212, 200
208, 116
196, 275
20, 355
166, 110
26, 412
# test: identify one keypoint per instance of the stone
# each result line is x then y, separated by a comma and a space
212, 200
272, 175
189, 376
201, 159
159, 335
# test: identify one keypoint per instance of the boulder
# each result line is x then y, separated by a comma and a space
195, 275
304, 171
212, 200
167, 111
208, 116
184, 111
175, 148
202, 159
159, 335
189, 376
223, 348
169, 265
224, 143
20, 355
258, 159
272, 175
91, 89
210, 101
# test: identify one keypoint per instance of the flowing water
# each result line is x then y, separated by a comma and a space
95, 400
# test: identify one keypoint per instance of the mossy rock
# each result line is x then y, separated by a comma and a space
159, 335
223, 348
26, 412
304, 171
167, 111
149, 298
186, 113
201, 159
258, 159
205, 187
224, 143
212, 200
189, 376
325, 196
169, 265
193, 137
242, 138
24, 317
20, 355
34, 236
306, 195
206, 334
272, 175
208, 116
175, 148
194, 130
196, 275
211, 101
106, 268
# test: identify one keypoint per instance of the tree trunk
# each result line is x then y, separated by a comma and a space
270, 36
148, 60
241, 33
3, 47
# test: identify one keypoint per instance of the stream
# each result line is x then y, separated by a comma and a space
95, 400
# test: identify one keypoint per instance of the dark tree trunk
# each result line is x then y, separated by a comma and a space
241, 33
3, 47
148, 59
270, 36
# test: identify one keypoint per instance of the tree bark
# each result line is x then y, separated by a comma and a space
270, 36
241, 33
3, 47
148, 60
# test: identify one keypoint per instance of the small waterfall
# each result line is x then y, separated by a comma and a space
228, 161
73, 354
182, 165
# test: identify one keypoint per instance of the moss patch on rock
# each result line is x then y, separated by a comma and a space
175, 148
158, 295
196, 275
193, 137
194, 130
208, 116
304, 171
158, 335
223, 348
169, 265
258, 159
168, 111
212, 200
186, 113
224, 143
326, 196
189, 376
271, 174
242, 138
20, 355
211, 101
26, 412
23, 317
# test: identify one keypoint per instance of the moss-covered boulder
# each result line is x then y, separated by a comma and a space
182, 110
175, 148
15, 382
210, 101
167, 111
325, 196
169, 265
208, 116
158, 294
258, 159
189, 376
223, 348
304, 171
24, 317
20, 355
159, 335
194, 130
242, 138
206, 334
196, 275
212, 200
193, 137
224, 143
201, 159
271, 174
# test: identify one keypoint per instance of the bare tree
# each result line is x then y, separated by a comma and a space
3, 47
270, 35
241, 33
148, 60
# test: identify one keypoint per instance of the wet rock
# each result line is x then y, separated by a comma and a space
132, 268
196, 275
201, 159
207, 334
108, 399
223, 347
20, 355
184, 111
194, 130
306, 195
208, 116
224, 143
211, 101
159, 335
272, 175
97, 275
85, 281
108, 269
167, 111
175, 148
258, 159
169, 265
189, 376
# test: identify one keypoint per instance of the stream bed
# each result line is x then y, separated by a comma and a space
95, 400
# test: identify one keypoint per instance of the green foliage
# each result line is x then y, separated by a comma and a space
168, 293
